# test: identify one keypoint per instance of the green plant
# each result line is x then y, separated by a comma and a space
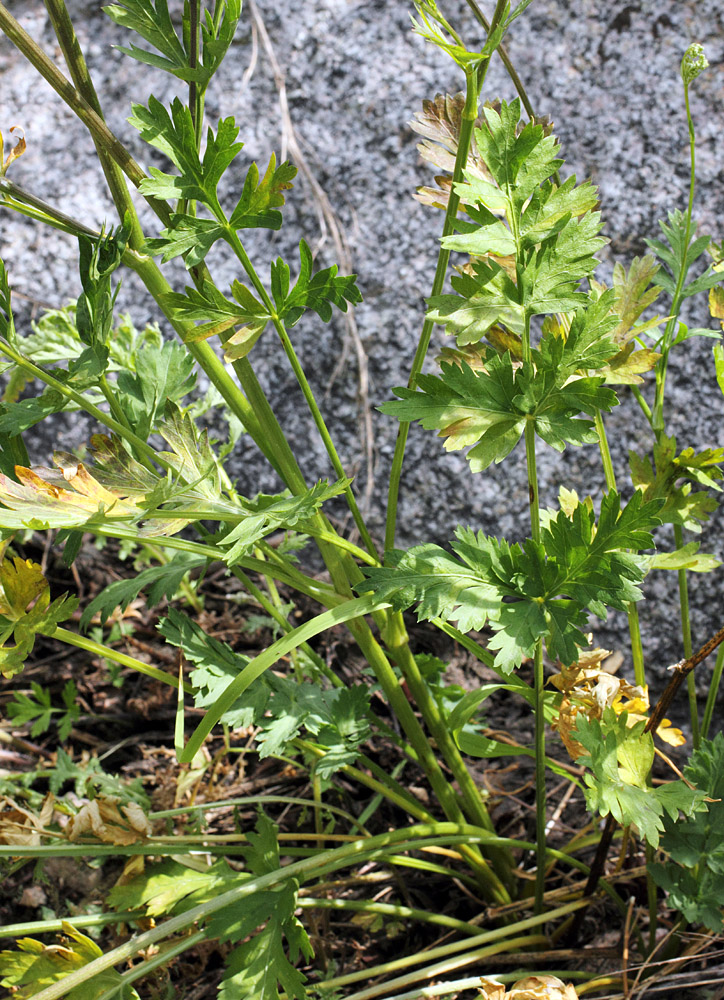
539, 349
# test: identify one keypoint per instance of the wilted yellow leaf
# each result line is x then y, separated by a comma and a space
17, 150
588, 688
530, 988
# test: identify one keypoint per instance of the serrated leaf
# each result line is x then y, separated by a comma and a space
267, 514
187, 235
219, 314
694, 875
173, 133
162, 373
37, 966
439, 125
154, 25
670, 477
158, 582
257, 968
98, 259
489, 409
318, 292
171, 887
259, 197
530, 591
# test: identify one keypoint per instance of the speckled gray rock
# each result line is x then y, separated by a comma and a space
606, 73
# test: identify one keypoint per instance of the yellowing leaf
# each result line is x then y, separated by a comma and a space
17, 150
530, 988
587, 687
22, 583
36, 966
716, 303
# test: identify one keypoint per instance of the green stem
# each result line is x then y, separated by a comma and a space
662, 365
80, 400
56, 926
78, 104
686, 639
75, 60
397, 642
453, 948
634, 627
27, 204
470, 112
474, 80
538, 671
383, 785
238, 248
308, 868
713, 692
395, 910
107, 653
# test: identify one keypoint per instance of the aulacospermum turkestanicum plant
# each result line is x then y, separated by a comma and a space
539, 352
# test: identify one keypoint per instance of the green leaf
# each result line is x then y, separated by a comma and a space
719, 365
98, 259
619, 759
151, 20
669, 477
187, 234
687, 557
7, 324
192, 457
489, 409
18, 417
174, 135
162, 373
694, 874
527, 591
259, 197
257, 967
171, 887
158, 582
267, 514
318, 292
679, 249
217, 313
36, 966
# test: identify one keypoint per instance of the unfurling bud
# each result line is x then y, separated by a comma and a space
693, 63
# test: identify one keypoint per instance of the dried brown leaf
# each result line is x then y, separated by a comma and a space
104, 819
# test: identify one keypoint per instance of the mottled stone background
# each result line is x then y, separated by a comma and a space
606, 73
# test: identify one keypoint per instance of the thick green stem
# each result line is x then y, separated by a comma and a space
78, 104
304, 385
75, 60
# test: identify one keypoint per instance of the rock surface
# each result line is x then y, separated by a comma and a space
607, 75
